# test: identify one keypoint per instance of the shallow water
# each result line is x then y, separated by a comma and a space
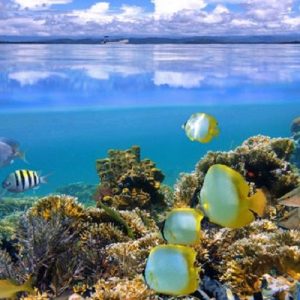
69, 104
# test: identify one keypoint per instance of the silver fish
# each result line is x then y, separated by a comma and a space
291, 199
22, 180
9, 150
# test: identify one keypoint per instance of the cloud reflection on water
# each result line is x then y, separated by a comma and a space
148, 74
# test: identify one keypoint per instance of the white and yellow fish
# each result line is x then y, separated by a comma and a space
201, 127
224, 198
22, 180
170, 270
182, 226
9, 289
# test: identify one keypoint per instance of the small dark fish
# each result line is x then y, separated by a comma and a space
22, 180
9, 150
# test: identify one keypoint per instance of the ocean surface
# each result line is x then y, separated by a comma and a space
68, 105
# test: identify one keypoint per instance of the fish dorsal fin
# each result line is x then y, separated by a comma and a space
258, 202
14, 144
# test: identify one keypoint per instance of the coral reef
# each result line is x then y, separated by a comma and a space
63, 244
10, 211
9, 206
100, 252
262, 160
83, 192
295, 130
241, 258
128, 182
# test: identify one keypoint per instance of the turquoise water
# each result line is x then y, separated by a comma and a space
68, 104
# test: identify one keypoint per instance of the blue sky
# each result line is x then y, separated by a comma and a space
148, 17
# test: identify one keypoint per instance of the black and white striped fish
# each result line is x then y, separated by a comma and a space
22, 180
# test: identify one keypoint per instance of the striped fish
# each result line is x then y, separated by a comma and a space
22, 180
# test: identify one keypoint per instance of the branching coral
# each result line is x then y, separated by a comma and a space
128, 182
62, 243
122, 289
241, 257
263, 161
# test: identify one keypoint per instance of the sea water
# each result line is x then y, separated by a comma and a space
68, 105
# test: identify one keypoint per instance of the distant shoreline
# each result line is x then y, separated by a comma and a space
204, 40
166, 43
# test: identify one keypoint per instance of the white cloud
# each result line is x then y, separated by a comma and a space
99, 13
216, 16
178, 79
34, 4
14, 26
293, 22
180, 17
165, 8
31, 77
243, 23
268, 9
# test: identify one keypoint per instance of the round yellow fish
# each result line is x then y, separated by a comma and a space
183, 226
201, 127
224, 198
170, 270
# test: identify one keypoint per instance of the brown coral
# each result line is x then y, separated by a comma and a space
122, 289
241, 257
128, 182
262, 160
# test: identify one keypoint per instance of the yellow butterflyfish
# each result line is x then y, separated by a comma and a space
224, 198
183, 226
201, 127
170, 270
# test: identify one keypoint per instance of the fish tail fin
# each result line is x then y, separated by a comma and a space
44, 178
258, 202
27, 286
216, 131
22, 156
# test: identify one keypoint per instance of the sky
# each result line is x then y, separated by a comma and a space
148, 17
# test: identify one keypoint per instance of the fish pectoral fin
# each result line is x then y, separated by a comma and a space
255, 214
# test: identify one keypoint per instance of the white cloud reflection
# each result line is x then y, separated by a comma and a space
178, 79
32, 77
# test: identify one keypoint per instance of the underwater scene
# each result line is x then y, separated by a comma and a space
167, 171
